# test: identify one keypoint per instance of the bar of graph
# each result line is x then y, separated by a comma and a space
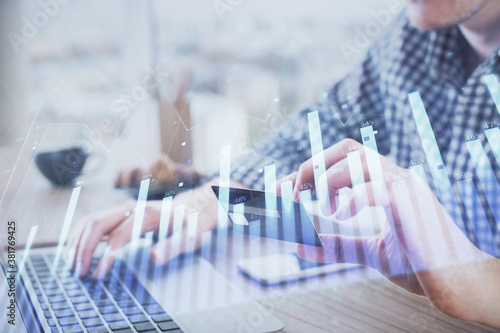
319, 171
358, 182
140, 209
435, 160
411, 228
375, 171
177, 228
420, 171
318, 159
270, 200
433, 236
31, 238
139, 215
431, 233
223, 207
287, 197
493, 136
224, 183
287, 206
191, 234
238, 218
475, 212
166, 211
305, 198
144, 260
68, 218
368, 137
486, 176
188, 278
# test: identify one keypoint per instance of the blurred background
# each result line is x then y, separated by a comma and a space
185, 77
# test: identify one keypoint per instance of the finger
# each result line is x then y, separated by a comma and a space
105, 262
122, 235
332, 155
338, 249
279, 184
374, 193
335, 178
400, 214
102, 224
72, 249
183, 241
74, 246
371, 223
94, 230
90, 238
73, 238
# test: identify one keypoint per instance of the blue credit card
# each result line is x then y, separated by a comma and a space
266, 215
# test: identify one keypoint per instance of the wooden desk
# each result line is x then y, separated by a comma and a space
372, 306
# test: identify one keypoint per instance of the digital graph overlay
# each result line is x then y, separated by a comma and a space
434, 158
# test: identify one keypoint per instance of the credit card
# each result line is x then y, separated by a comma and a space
263, 214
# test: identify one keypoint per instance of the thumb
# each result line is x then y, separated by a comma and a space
337, 249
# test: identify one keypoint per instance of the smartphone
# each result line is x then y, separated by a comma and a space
284, 267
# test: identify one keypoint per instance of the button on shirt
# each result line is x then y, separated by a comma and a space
458, 105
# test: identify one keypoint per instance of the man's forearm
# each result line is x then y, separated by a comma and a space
478, 290
489, 289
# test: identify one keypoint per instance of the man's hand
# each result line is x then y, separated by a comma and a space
164, 172
117, 225
420, 248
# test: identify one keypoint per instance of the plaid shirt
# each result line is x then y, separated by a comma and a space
405, 60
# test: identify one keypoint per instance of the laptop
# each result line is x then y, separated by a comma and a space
187, 295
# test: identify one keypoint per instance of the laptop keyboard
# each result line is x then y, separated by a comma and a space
116, 303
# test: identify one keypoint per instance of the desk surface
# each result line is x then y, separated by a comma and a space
371, 306
357, 300
354, 300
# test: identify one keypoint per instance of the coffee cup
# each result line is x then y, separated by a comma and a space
62, 167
